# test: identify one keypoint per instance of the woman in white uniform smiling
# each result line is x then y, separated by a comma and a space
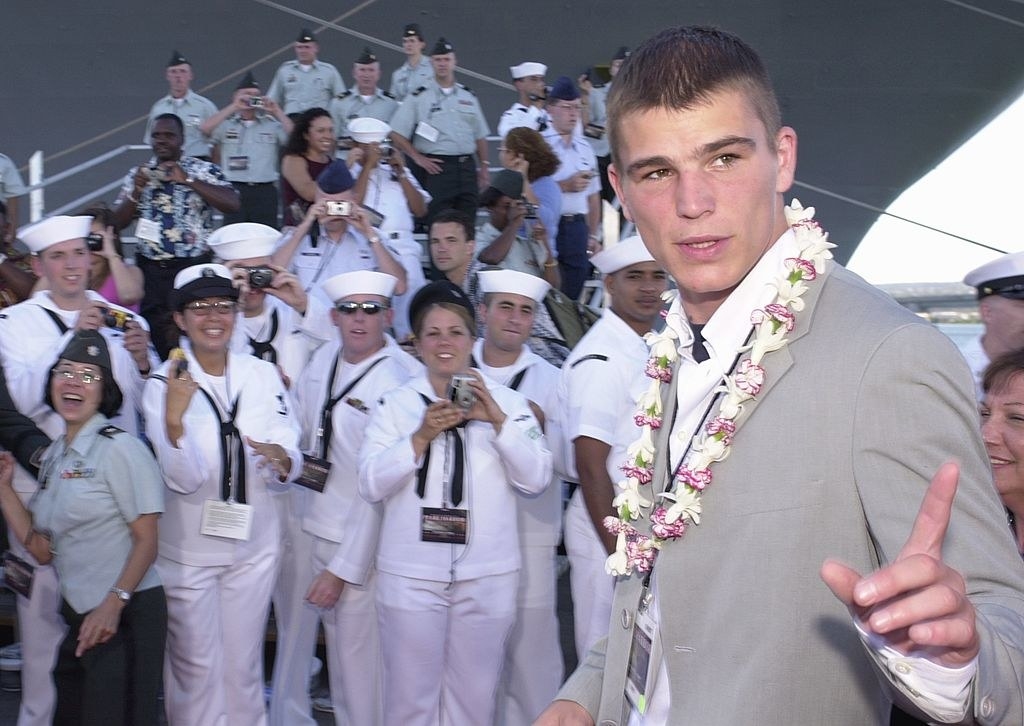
448, 555
224, 436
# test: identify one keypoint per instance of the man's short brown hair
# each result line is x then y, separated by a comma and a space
680, 68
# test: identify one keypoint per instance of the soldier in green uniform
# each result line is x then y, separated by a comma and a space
187, 105
442, 129
364, 100
247, 135
416, 71
305, 82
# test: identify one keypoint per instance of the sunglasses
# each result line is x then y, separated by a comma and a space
202, 307
370, 308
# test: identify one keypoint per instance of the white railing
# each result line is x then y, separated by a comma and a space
38, 182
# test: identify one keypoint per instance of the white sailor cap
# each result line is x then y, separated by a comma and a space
201, 281
48, 232
1003, 276
368, 130
629, 251
529, 68
243, 240
360, 282
512, 281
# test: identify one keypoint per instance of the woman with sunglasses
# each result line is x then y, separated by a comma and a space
94, 517
445, 454
224, 435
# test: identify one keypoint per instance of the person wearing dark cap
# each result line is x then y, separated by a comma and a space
594, 117
94, 519
336, 236
305, 82
186, 104
364, 100
225, 436
513, 238
1000, 287
32, 334
173, 197
577, 177
416, 71
441, 127
445, 456
247, 137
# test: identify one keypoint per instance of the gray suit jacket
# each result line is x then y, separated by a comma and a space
833, 459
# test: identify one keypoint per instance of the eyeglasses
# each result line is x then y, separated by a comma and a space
203, 308
568, 106
87, 377
370, 308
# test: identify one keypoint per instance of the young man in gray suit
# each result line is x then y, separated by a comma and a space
834, 423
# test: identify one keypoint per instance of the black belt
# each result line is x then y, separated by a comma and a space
173, 263
572, 217
253, 184
460, 158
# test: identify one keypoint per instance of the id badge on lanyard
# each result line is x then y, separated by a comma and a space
226, 519
644, 657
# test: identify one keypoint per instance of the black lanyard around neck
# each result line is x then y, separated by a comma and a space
264, 350
326, 421
458, 465
232, 450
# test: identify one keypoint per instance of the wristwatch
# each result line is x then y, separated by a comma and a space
190, 180
123, 595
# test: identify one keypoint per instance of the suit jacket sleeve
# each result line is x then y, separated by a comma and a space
908, 420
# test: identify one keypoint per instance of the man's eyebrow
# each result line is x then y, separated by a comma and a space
707, 149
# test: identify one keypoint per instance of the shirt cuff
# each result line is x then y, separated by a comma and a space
943, 692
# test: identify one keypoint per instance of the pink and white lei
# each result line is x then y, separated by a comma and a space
772, 324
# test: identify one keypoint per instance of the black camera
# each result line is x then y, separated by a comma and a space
116, 319
95, 242
531, 210
256, 102
260, 277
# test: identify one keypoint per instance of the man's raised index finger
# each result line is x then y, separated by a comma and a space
933, 517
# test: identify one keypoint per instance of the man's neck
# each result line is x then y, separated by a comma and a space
179, 94
334, 234
371, 91
450, 83
458, 275
495, 357
255, 311
355, 359
640, 327
414, 60
76, 301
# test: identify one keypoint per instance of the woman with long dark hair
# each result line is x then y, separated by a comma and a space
309, 150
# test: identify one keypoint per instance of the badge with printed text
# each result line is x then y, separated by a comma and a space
644, 660
314, 473
441, 524
148, 230
238, 163
426, 131
18, 574
226, 519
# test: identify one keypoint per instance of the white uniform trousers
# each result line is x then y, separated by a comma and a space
353, 647
294, 618
216, 622
42, 630
533, 660
443, 647
592, 587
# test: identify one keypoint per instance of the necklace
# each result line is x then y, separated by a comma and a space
682, 503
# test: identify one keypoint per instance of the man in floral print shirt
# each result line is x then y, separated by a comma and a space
173, 197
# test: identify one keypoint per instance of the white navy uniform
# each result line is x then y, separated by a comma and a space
446, 609
192, 109
297, 87
218, 589
521, 116
533, 660
344, 527
384, 193
281, 335
30, 341
609, 359
313, 264
977, 360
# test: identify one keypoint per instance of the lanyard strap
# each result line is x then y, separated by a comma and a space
326, 422
457, 464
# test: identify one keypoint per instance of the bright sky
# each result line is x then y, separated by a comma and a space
976, 192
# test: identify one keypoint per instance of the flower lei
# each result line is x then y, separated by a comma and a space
772, 323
